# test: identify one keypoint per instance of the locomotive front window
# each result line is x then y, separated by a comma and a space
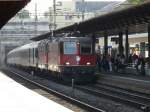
70, 48
85, 48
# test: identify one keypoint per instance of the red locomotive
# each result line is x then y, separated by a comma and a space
66, 58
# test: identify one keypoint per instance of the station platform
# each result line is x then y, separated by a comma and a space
17, 98
128, 74
135, 82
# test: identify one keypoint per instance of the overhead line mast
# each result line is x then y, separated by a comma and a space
83, 9
36, 19
54, 6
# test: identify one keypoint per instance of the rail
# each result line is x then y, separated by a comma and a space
131, 99
63, 96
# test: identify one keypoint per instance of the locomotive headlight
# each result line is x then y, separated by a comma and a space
88, 63
67, 63
78, 58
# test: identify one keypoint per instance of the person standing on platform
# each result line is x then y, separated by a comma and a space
134, 58
117, 62
130, 59
137, 63
110, 63
105, 63
99, 62
142, 65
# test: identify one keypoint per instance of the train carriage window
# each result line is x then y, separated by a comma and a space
70, 48
36, 53
49, 47
85, 48
61, 47
45, 47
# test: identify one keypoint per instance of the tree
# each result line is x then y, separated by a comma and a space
135, 1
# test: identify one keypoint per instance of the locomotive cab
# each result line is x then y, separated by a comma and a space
78, 59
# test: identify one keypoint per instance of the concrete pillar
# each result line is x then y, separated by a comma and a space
149, 45
127, 45
93, 42
105, 44
120, 47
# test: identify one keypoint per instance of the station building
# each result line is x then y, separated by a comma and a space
70, 12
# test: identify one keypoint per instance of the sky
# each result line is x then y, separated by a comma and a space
42, 5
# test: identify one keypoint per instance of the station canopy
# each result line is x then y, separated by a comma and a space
134, 19
8, 8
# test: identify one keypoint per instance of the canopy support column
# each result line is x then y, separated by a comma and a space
120, 44
149, 45
127, 45
105, 44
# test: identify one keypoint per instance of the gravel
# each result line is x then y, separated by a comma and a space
99, 102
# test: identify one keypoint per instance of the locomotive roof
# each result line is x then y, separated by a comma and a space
24, 47
76, 39
35, 44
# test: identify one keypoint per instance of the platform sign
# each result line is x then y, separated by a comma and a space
115, 39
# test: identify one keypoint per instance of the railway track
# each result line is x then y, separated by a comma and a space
138, 93
79, 103
131, 98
